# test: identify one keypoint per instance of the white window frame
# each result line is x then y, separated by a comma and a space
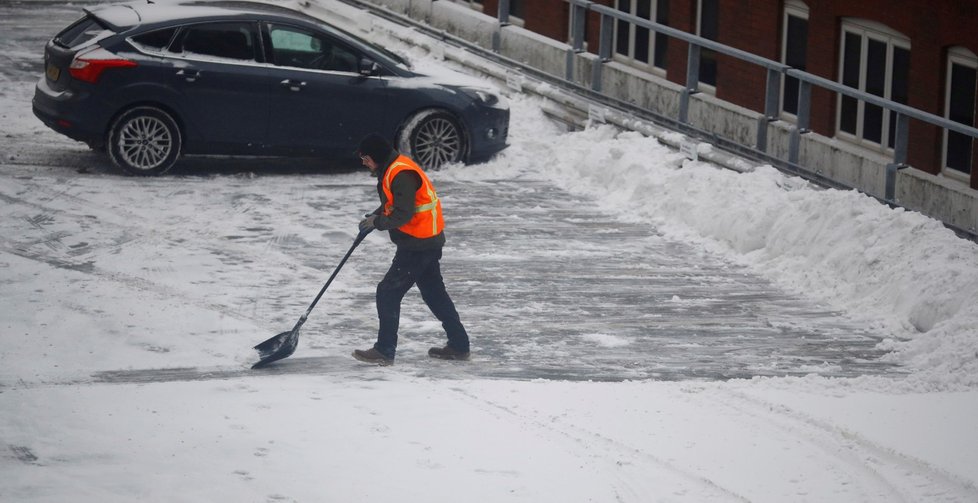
962, 57
703, 86
630, 58
880, 33
798, 9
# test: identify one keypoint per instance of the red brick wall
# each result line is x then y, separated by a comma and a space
546, 17
682, 16
755, 26
756, 30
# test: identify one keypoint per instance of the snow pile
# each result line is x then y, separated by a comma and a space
904, 274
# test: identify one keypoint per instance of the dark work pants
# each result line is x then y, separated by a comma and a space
420, 268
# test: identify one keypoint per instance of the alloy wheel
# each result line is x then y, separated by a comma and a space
437, 141
145, 143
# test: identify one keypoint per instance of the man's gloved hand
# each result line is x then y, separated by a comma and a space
367, 223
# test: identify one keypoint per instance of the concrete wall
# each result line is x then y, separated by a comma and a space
723, 119
634, 86
947, 200
458, 20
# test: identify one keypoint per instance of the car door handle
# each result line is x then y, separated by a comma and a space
293, 85
190, 76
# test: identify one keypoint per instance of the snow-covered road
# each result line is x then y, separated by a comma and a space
550, 285
620, 299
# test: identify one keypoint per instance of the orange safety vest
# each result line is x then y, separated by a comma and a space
427, 221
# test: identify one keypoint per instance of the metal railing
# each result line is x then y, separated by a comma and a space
776, 71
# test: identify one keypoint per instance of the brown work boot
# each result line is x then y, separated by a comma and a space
372, 356
447, 353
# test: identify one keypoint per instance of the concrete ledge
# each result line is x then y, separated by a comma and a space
543, 53
464, 23
415, 9
723, 119
633, 86
936, 195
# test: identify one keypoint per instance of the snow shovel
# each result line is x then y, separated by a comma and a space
283, 344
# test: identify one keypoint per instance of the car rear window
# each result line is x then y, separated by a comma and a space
154, 41
80, 32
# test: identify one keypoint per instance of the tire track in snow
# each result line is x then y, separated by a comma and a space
119, 228
618, 456
853, 468
896, 476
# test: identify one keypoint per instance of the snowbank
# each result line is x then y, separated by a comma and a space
902, 273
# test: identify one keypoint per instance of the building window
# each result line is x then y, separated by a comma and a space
639, 44
475, 4
962, 73
708, 26
875, 60
517, 9
794, 52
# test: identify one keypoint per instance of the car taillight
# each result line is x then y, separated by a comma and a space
89, 65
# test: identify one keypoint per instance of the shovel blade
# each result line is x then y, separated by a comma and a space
276, 348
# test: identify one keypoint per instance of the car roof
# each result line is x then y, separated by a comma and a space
122, 16
146, 15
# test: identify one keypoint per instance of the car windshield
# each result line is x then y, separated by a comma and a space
393, 58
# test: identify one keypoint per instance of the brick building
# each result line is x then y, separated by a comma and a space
922, 54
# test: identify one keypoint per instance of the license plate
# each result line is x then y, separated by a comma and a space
53, 72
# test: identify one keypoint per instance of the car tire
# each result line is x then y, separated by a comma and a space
432, 138
144, 141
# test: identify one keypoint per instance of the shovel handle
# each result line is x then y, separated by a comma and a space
356, 242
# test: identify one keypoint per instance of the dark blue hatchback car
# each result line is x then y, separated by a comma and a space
151, 81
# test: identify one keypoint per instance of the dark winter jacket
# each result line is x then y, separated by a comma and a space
403, 187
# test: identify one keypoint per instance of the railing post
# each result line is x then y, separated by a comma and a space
692, 82
604, 50
578, 16
503, 12
771, 107
804, 118
899, 156
503, 16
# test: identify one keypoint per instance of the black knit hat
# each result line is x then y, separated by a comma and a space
376, 146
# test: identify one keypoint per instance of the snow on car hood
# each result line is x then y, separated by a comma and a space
447, 77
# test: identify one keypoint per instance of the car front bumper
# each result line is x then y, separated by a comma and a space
489, 131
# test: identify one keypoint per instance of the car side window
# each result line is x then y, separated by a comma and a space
154, 41
298, 48
236, 41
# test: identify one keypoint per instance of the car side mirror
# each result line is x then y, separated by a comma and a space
368, 67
